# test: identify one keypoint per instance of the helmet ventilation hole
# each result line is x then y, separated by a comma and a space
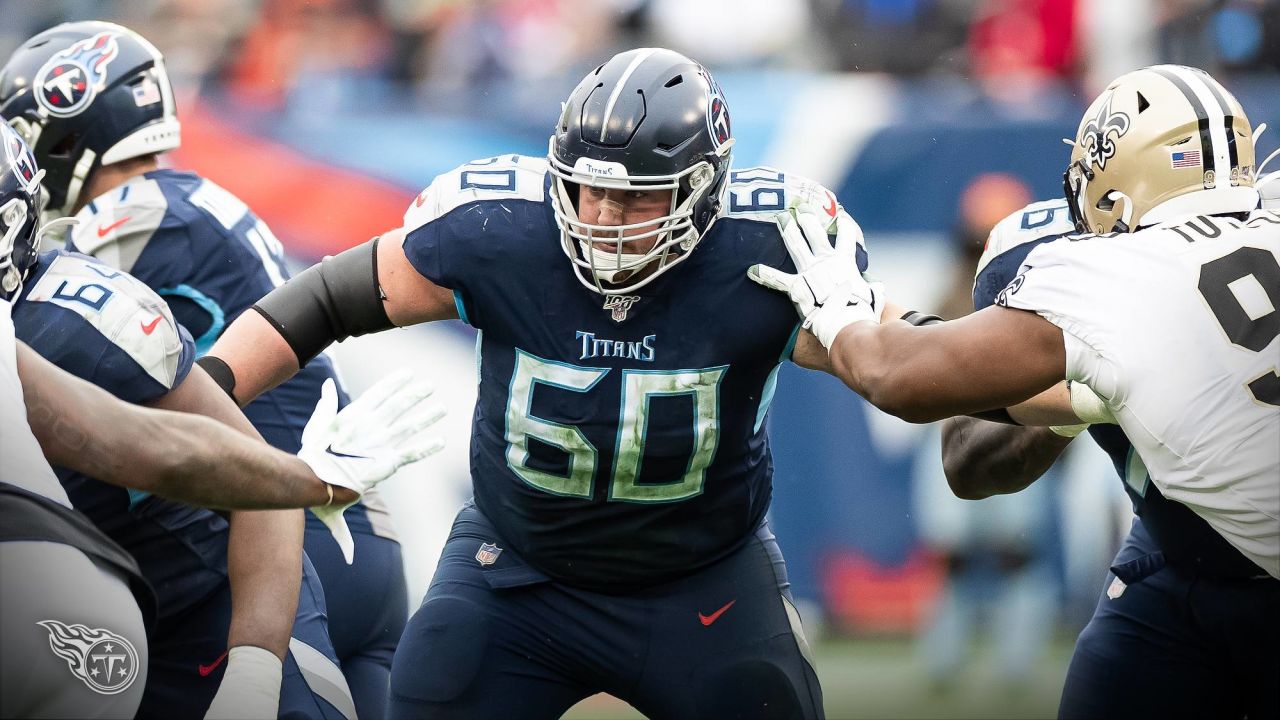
674, 81
1142, 103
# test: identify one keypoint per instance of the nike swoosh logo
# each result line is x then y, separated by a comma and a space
150, 327
331, 451
708, 619
105, 230
206, 669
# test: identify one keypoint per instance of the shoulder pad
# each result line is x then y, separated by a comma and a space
117, 226
1033, 222
760, 193
122, 309
504, 177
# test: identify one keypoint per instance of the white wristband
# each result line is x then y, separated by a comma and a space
250, 688
827, 322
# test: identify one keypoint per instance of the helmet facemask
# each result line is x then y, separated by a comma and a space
614, 271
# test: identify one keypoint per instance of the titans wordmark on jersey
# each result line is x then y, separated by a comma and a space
612, 446
1177, 328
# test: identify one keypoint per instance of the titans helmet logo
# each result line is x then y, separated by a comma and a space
19, 158
1099, 137
66, 85
717, 114
104, 661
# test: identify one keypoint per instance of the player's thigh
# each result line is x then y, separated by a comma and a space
1141, 655
473, 651
727, 643
73, 642
1244, 616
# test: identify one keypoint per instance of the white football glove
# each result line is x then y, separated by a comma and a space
828, 291
250, 688
372, 438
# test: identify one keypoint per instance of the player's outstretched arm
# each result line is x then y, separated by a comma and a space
982, 458
369, 288
200, 461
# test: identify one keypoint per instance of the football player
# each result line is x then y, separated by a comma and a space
1166, 307
75, 637
617, 540
209, 257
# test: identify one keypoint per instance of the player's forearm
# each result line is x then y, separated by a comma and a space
264, 565
258, 356
982, 458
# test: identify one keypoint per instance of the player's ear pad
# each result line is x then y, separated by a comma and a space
445, 643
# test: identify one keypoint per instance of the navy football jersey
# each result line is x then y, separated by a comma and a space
617, 441
105, 327
1180, 533
211, 258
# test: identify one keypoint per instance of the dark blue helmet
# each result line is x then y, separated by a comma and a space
84, 95
19, 211
648, 119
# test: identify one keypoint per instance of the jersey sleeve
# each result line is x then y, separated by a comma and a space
110, 329
1067, 283
458, 228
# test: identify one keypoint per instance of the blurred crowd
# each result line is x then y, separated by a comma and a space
273, 53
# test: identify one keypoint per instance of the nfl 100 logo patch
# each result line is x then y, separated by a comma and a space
488, 553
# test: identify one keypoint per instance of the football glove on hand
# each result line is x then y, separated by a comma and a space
373, 437
250, 688
827, 289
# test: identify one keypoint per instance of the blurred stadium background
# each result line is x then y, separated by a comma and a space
931, 119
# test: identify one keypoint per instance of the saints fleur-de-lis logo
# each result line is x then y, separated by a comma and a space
1100, 134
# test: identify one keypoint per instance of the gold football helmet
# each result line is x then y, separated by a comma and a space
1160, 143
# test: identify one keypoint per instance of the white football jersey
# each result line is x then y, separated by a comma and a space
1176, 327
22, 463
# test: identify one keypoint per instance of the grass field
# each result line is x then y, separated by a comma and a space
884, 679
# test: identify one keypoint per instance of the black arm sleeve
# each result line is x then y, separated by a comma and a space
331, 301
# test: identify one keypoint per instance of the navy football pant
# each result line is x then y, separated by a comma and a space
1175, 643
502, 641
368, 604
188, 660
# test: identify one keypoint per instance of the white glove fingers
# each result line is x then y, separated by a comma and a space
409, 426
323, 415
428, 447
848, 234
403, 404
814, 229
793, 239
770, 277
337, 524
389, 387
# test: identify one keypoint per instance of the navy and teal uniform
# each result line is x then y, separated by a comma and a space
1186, 625
211, 258
617, 541
105, 327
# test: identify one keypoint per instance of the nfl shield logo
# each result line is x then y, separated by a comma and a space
488, 553
620, 304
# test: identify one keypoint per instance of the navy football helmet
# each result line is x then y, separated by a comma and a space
648, 119
84, 95
19, 211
